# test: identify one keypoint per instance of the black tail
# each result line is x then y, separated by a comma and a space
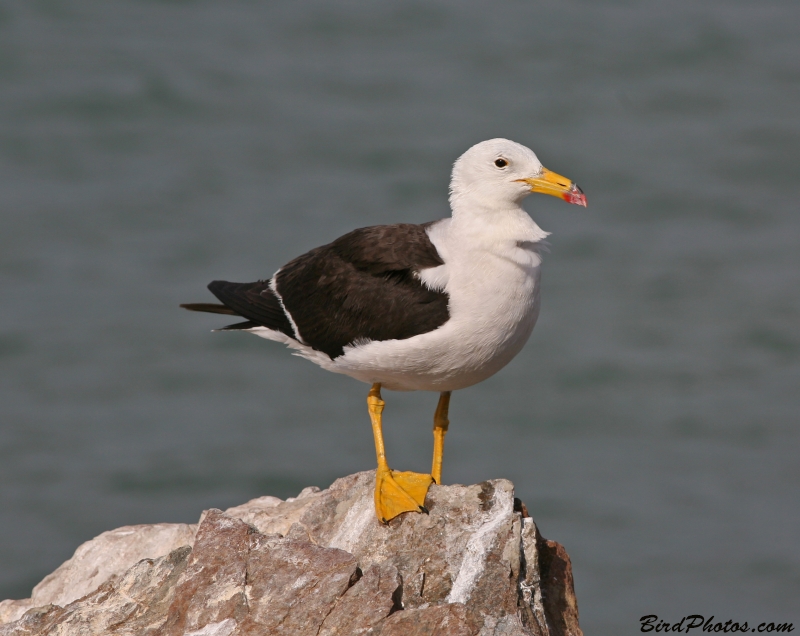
210, 308
254, 301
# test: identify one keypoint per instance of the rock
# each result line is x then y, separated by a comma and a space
134, 603
319, 563
95, 562
561, 606
373, 597
450, 619
265, 584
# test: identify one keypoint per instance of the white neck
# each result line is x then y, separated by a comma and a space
482, 223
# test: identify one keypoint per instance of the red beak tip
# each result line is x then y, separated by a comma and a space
578, 198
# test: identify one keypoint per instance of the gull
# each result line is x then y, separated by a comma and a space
439, 306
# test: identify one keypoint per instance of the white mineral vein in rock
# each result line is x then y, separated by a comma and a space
223, 628
477, 547
355, 523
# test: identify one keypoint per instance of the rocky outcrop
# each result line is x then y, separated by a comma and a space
318, 564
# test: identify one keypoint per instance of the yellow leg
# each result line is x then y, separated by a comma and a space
395, 492
440, 425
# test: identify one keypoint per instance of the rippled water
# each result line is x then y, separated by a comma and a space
650, 425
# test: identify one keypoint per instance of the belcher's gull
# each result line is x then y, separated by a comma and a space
432, 307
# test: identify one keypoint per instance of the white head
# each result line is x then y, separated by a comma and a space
499, 173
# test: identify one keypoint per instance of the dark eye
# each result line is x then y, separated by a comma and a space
500, 163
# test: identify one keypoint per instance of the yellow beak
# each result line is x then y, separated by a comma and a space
549, 182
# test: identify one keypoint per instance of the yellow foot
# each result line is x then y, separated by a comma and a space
398, 492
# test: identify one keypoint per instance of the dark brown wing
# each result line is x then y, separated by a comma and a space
363, 286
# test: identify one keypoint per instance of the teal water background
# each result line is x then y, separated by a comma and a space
650, 425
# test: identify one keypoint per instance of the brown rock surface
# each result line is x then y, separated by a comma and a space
321, 564
376, 595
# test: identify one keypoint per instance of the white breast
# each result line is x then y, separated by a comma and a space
492, 279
